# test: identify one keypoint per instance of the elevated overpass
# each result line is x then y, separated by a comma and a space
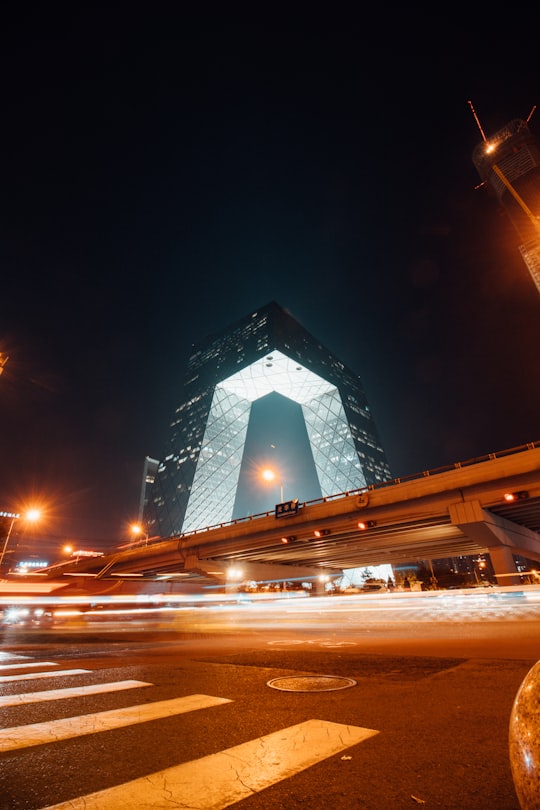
457, 510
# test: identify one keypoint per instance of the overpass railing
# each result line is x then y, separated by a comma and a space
368, 488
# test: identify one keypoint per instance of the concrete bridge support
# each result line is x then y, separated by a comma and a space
504, 565
500, 537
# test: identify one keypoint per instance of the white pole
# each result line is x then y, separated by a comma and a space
7, 539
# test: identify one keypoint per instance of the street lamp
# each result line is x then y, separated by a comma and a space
270, 475
14, 516
479, 570
137, 530
31, 515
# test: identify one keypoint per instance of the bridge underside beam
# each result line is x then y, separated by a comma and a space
260, 572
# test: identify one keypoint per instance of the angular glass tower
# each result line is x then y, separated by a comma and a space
195, 485
509, 164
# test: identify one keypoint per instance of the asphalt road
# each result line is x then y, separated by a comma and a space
368, 702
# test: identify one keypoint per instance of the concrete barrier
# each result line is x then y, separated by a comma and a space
524, 741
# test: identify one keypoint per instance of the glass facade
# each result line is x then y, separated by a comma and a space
195, 484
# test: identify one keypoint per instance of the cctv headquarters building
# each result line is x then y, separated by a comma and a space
195, 484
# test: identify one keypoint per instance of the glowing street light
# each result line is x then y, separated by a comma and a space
32, 515
234, 574
137, 530
270, 475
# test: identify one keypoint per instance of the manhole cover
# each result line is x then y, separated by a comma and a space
311, 683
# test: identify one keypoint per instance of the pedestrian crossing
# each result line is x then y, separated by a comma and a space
212, 782
219, 780
68, 692
59, 673
38, 733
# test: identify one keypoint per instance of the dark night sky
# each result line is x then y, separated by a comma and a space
163, 176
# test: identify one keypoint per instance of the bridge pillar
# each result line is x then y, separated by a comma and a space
318, 587
504, 565
501, 537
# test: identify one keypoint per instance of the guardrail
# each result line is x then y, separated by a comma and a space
368, 488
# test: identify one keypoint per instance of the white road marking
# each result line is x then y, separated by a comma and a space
29, 664
65, 728
219, 780
319, 642
52, 674
338, 644
60, 694
9, 656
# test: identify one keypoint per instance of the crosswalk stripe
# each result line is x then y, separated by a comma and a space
219, 780
60, 694
33, 675
28, 664
65, 728
9, 656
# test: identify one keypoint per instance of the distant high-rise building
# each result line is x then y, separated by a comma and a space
268, 351
509, 164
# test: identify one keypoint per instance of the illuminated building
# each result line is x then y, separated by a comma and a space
509, 165
268, 351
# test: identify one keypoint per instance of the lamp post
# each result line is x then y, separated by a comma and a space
31, 515
14, 516
137, 530
479, 568
270, 475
